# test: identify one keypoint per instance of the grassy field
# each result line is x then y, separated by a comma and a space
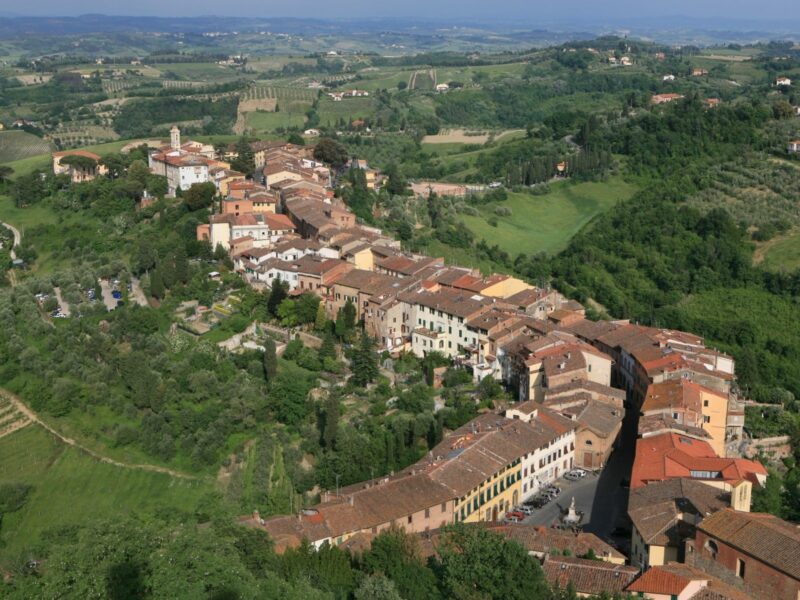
16, 145
350, 108
198, 71
73, 488
270, 121
782, 254
546, 223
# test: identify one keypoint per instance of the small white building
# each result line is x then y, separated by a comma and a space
783, 81
669, 77
442, 87
793, 147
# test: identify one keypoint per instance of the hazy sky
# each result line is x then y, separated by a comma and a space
526, 10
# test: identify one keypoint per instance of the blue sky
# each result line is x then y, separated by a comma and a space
528, 11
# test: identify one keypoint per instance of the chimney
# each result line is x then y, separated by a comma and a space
175, 138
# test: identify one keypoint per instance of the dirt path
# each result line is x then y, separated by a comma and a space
12, 275
34, 418
137, 294
61, 302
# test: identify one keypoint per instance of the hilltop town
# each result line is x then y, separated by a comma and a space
308, 340
660, 403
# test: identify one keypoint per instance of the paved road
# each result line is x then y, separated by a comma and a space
584, 493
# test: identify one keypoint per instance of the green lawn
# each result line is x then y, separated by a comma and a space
547, 223
17, 145
23, 218
73, 488
783, 254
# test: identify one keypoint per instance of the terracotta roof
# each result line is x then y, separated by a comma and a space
657, 424
767, 538
670, 455
659, 581
715, 589
587, 576
657, 509
527, 297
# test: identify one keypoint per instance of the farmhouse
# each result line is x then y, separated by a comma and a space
783, 81
84, 166
664, 98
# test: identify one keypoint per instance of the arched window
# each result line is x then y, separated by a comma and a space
711, 547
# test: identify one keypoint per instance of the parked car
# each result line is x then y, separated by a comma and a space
575, 474
526, 510
116, 294
515, 514
512, 519
540, 501
552, 491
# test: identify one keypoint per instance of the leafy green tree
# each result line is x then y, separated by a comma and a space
332, 152
328, 348
477, 563
115, 163
330, 421
277, 294
200, 195
365, 362
396, 554
346, 320
377, 587
245, 161
5, 173
321, 318
489, 388
287, 313
157, 289
308, 306
76, 161
288, 398
270, 359
145, 258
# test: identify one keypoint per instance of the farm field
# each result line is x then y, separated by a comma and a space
350, 108
261, 121
17, 145
197, 71
70, 487
547, 223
